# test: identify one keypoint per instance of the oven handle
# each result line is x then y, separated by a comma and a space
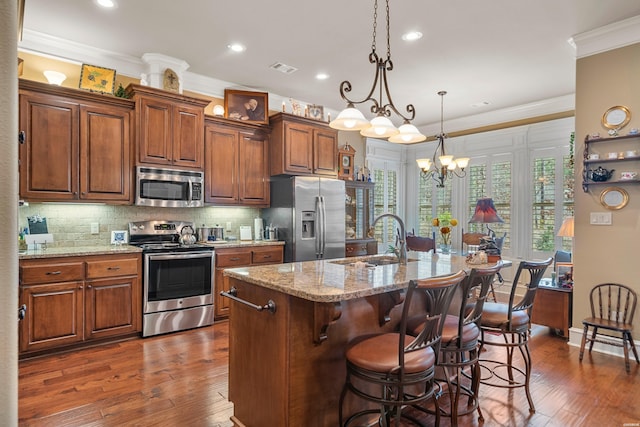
179, 255
270, 306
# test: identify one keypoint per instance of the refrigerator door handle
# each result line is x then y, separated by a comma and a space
318, 222
323, 226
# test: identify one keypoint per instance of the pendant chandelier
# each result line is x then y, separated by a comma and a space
448, 165
351, 119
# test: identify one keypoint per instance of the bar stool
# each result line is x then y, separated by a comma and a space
394, 370
512, 322
460, 343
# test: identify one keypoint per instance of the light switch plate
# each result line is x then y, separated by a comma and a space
600, 218
95, 228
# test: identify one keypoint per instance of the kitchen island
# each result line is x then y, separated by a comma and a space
291, 323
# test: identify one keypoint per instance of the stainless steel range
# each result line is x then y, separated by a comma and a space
178, 280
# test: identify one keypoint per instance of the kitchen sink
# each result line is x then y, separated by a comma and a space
372, 261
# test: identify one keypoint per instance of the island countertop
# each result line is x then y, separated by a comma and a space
340, 280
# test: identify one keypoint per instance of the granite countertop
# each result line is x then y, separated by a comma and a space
67, 251
339, 280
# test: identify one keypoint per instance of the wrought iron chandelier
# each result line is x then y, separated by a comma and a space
448, 165
351, 119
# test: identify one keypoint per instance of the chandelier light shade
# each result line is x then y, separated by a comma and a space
485, 212
449, 166
566, 229
351, 119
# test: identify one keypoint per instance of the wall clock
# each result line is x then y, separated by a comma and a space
345, 162
616, 117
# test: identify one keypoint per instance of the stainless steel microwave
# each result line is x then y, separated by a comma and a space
170, 188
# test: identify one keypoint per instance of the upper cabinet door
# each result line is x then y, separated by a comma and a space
254, 169
188, 136
154, 131
221, 165
105, 153
49, 155
298, 154
325, 154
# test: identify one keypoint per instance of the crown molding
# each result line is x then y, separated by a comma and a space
609, 37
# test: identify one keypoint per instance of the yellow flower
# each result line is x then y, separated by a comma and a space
453, 222
435, 222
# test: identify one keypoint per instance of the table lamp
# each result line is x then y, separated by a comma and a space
566, 230
485, 213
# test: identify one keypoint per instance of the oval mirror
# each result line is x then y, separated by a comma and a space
614, 198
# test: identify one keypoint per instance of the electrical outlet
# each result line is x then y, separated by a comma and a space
228, 225
95, 228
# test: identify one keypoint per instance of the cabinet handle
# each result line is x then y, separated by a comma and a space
80, 287
270, 306
234, 259
22, 311
88, 286
22, 137
113, 268
266, 256
53, 273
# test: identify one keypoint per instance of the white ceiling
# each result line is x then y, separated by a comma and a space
508, 53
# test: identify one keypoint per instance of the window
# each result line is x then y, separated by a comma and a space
385, 201
544, 207
433, 202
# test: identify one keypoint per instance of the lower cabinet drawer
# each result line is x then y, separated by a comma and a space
267, 255
51, 273
233, 259
112, 268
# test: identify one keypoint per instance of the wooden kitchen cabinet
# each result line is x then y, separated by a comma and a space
236, 163
169, 128
240, 257
301, 146
75, 300
77, 145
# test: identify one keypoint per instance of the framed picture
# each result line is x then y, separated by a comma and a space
97, 79
564, 274
246, 106
119, 237
316, 112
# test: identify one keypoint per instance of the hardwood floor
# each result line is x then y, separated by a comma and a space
181, 380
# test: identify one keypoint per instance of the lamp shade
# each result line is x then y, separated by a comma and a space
485, 212
350, 119
566, 229
381, 127
408, 133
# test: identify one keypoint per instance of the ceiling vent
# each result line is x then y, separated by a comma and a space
283, 68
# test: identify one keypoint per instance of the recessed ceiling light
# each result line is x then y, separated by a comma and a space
237, 47
412, 35
106, 3
322, 76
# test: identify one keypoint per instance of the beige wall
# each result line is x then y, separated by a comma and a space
606, 253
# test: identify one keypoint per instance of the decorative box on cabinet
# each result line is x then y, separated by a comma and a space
301, 146
358, 217
169, 127
71, 300
77, 145
236, 163
240, 257
618, 144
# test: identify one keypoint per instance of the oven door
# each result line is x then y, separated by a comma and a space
176, 280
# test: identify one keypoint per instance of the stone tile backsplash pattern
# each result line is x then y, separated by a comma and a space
70, 224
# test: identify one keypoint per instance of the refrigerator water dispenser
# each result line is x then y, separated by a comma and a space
308, 225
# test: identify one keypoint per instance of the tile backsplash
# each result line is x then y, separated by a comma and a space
70, 224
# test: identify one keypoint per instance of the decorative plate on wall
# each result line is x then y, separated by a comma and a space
616, 117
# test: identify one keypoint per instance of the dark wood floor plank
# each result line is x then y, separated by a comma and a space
182, 379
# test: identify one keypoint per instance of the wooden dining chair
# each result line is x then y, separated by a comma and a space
421, 244
612, 309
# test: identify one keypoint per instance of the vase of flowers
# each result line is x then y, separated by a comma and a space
444, 224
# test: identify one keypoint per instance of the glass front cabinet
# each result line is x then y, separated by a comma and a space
358, 218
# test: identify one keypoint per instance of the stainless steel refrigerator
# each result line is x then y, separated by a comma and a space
309, 215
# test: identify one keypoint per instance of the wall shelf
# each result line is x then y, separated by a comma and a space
587, 162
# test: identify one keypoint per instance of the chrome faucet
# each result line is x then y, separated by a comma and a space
402, 252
